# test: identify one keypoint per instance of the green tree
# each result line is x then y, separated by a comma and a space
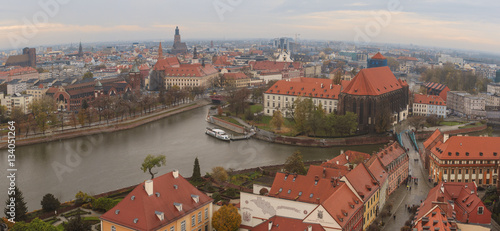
226, 218
416, 122
43, 111
77, 224
196, 171
20, 208
153, 161
18, 116
303, 109
393, 64
104, 204
81, 117
50, 203
34, 225
88, 75
219, 174
316, 120
82, 198
3, 113
383, 120
277, 120
294, 163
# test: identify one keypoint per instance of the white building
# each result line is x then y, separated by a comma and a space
15, 86
448, 59
283, 94
426, 105
17, 100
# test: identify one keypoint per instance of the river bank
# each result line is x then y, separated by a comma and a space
107, 128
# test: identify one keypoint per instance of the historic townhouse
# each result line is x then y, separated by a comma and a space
168, 202
283, 94
465, 159
395, 160
427, 105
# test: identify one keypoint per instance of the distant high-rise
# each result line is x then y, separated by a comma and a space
497, 77
27, 59
178, 47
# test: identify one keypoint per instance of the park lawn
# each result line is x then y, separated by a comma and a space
229, 119
256, 108
471, 125
450, 123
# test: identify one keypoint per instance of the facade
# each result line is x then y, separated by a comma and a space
465, 159
494, 88
18, 101
465, 104
372, 93
456, 101
238, 79
189, 75
37, 92
21, 73
381, 175
426, 105
15, 86
394, 159
287, 70
178, 47
27, 59
438, 89
283, 94
491, 100
168, 202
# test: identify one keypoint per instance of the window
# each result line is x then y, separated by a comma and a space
172, 228
466, 171
445, 171
460, 171
199, 217
480, 210
473, 171
453, 171
206, 214
183, 226
193, 220
113, 228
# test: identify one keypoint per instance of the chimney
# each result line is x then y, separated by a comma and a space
446, 137
331, 86
309, 228
341, 151
270, 225
148, 186
175, 173
347, 157
322, 86
324, 172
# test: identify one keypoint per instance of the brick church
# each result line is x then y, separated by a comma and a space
373, 93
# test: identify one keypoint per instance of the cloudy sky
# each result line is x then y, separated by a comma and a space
460, 24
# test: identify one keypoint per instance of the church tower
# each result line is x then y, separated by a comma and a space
195, 56
80, 50
160, 52
179, 47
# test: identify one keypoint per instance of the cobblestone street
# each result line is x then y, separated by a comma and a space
403, 196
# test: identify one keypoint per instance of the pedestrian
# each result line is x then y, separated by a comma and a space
394, 216
410, 188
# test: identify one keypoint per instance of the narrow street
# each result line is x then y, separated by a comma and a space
403, 196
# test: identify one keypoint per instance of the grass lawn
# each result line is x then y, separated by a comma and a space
471, 125
450, 123
256, 108
229, 119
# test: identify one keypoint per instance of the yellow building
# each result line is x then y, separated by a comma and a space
37, 92
237, 79
168, 202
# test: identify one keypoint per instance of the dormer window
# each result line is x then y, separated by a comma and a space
311, 195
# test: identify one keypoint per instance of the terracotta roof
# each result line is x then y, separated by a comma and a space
16, 59
161, 64
362, 181
429, 99
167, 190
378, 56
349, 157
190, 70
373, 81
378, 170
302, 188
435, 86
390, 153
285, 224
328, 171
468, 148
343, 204
237, 75
307, 87
406, 58
436, 219
221, 61
432, 138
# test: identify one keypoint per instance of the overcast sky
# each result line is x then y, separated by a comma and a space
442, 23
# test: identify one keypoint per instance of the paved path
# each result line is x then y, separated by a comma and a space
402, 196
62, 219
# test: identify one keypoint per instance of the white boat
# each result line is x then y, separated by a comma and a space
218, 133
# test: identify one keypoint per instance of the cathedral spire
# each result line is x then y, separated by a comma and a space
160, 52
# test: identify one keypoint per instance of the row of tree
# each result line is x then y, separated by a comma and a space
455, 79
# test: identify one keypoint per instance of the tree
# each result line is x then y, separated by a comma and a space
392, 63
226, 218
3, 113
82, 198
18, 116
219, 174
416, 122
77, 224
316, 120
196, 177
277, 120
43, 111
74, 119
20, 206
50, 203
383, 120
81, 117
153, 161
34, 225
294, 163
303, 109
88, 75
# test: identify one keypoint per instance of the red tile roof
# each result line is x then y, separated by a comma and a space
378, 56
363, 181
285, 224
429, 99
307, 87
143, 207
221, 61
164, 63
437, 134
274, 66
373, 81
343, 204
306, 186
468, 148
378, 170
190, 70
328, 171
406, 58
390, 153
350, 157
237, 75
435, 86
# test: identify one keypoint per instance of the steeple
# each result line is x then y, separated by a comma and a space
160, 52
80, 50
177, 30
195, 53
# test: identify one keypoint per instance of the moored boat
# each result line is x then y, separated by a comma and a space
218, 133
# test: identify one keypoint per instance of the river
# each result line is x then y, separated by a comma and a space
105, 162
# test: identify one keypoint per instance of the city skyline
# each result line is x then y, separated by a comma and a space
463, 25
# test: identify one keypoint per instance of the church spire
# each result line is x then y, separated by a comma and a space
160, 52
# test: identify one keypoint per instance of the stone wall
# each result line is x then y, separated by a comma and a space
226, 124
312, 142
